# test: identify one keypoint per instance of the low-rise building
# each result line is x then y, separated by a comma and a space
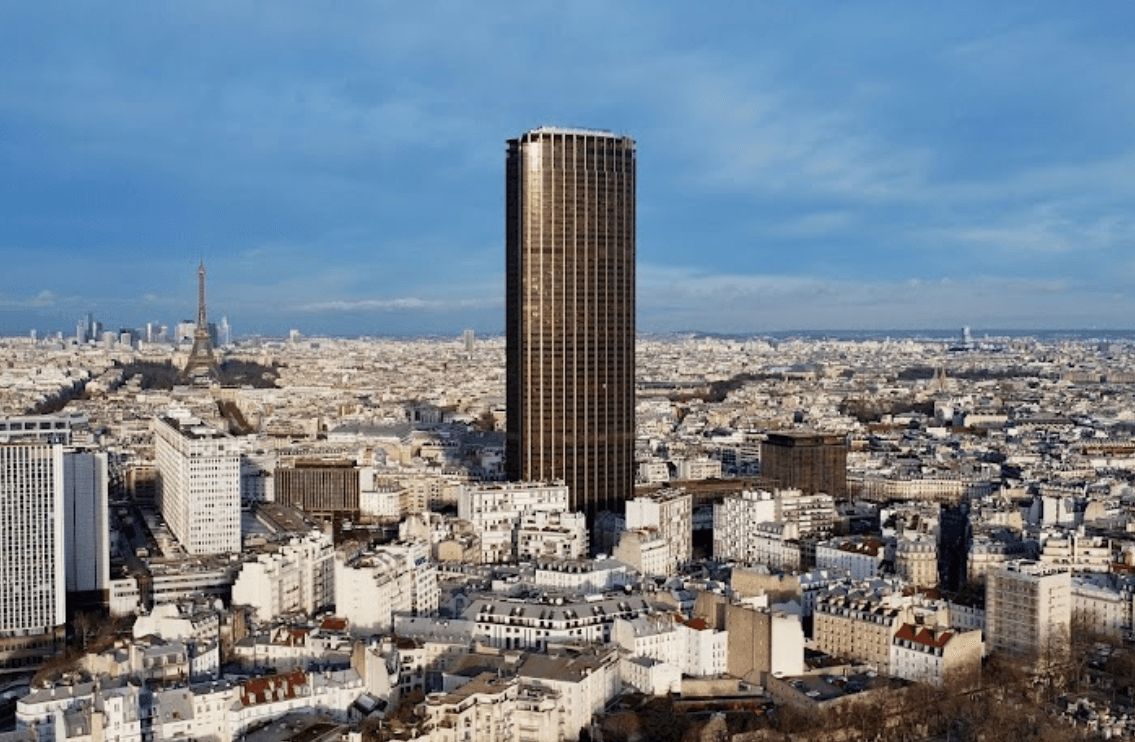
373, 585
936, 655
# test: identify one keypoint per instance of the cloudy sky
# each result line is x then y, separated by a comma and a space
339, 165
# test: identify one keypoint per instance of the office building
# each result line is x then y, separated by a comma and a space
32, 553
86, 528
198, 484
319, 488
53, 534
810, 462
570, 314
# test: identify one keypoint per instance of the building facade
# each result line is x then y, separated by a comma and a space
199, 484
319, 487
32, 569
671, 512
810, 462
570, 313
1028, 608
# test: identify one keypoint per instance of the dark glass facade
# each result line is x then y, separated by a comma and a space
570, 318
809, 462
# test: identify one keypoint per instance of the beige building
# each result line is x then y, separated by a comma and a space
646, 551
492, 707
1028, 608
763, 642
859, 625
916, 561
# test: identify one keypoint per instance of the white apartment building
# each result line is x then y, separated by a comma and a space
497, 708
646, 551
862, 559
543, 534
296, 577
654, 635
33, 579
936, 655
1075, 551
706, 649
198, 484
496, 510
1028, 608
510, 623
701, 468
371, 586
671, 513
739, 533
581, 576
775, 544
586, 681
691, 646
654, 471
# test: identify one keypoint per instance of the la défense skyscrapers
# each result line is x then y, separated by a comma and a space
570, 318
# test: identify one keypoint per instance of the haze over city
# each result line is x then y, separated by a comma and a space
339, 168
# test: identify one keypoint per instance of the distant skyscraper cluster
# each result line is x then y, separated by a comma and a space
570, 317
186, 332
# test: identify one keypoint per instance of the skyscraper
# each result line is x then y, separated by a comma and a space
570, 317
33, 579
198, 483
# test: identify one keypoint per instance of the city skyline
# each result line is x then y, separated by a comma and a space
338, 169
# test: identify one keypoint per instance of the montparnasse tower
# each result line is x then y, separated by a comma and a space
570, 312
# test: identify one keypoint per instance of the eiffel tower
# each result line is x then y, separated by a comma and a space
201, 367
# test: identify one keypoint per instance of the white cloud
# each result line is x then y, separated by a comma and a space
399, 304
676, 298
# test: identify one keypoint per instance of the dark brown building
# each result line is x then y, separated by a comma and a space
570, 317
809, 462
319, 488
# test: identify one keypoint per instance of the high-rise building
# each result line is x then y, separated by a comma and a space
570, 317
86, 528
1028, 609
32, 551
198, 484
809, 462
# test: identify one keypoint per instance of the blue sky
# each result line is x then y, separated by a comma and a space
339, 166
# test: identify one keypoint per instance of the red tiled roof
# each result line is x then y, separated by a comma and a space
271, 687
334, 624
922, 635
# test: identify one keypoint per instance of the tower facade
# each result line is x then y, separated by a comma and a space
202, 363
32, 577
198, 484
570, 316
